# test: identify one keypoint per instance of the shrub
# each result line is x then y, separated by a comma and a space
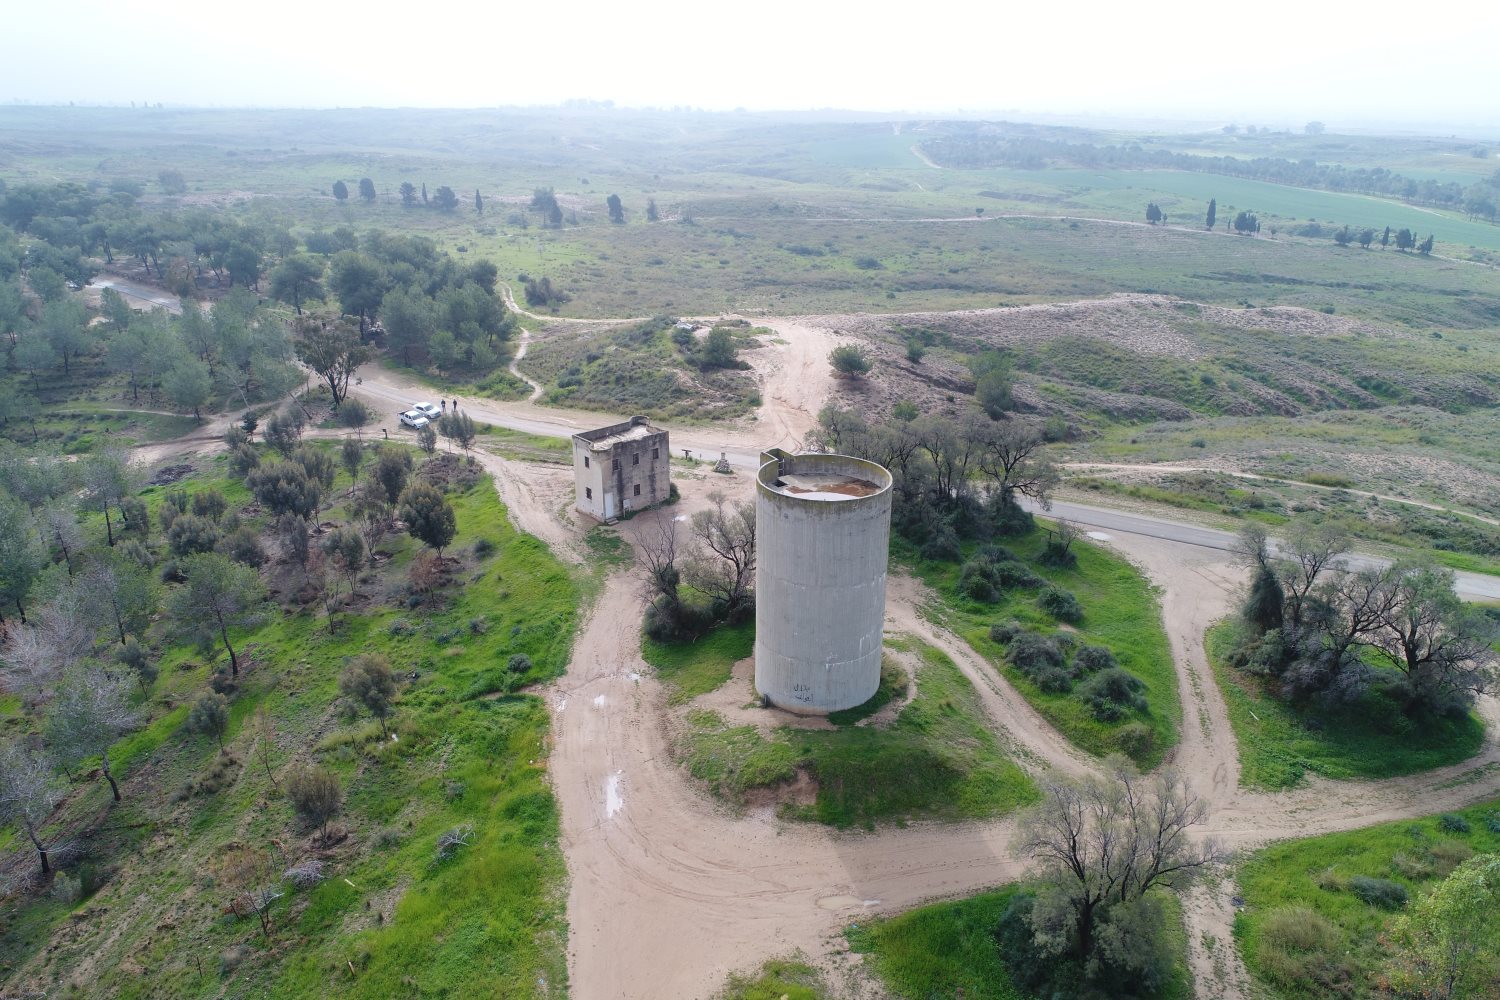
1299, 946
1030, 651
1040, 659
243, 546
518, 663
243, 459
210, 504
1135, 740
1004, 632
1379, 892
483, 548
1013, 934
190, 534
1060, 604
1448, 855
353, 413
1453, 823
942, 544
1092, 659
1016, 574
1492, 822
133, 513
850, 361
1411, 866
1112, 694
976, 581
316, 796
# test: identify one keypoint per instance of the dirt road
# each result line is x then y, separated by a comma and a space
669, 892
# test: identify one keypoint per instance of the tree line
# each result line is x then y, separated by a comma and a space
1031, 153
437, 311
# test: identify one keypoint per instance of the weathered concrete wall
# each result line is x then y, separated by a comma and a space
820, 588
614, 477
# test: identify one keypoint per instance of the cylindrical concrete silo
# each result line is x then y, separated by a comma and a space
822, 541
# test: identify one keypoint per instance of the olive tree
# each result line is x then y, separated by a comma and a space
29, 791
368, 680
89, 712
218, 595
428, 515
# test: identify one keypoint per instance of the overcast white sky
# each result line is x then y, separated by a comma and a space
1274, 61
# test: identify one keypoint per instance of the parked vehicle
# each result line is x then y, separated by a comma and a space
428, 410
415, 419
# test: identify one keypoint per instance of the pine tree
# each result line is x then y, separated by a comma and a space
478, 203
1213, 213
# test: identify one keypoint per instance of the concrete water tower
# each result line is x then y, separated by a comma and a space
822, 541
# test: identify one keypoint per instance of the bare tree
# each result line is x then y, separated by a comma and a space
90, 711
658, 545
35, 655
1309, 550
265, 741
1109, 839
29, 791
1011, 455
722, 563
1445, 650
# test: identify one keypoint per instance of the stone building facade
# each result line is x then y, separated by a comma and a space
621, 468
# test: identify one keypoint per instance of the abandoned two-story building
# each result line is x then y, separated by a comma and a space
621, 468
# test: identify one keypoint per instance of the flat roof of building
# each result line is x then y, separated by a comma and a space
605, 438
823, 486
635, 433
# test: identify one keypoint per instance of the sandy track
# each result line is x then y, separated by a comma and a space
670, 892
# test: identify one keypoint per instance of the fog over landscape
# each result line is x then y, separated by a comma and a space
1350, 64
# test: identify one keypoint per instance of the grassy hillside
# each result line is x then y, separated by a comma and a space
140, 910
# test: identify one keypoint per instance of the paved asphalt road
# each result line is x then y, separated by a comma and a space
1470, 586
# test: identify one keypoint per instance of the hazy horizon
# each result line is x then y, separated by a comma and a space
1338, 64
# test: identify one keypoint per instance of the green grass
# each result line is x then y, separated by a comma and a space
1314, 873
524, 447
1279, 743
943, 950
937, 760
778, 979
949, 950
693, 668
893, 685
1121, 612
488, 920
